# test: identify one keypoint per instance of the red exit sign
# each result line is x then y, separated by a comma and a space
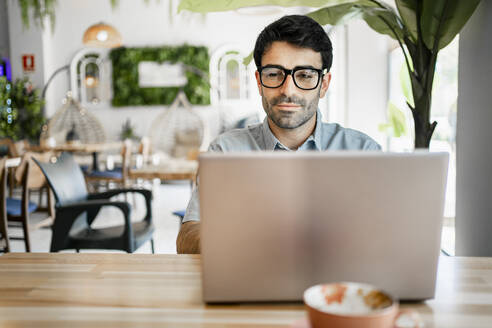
28, 64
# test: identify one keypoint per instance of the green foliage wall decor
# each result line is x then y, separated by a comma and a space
127, 92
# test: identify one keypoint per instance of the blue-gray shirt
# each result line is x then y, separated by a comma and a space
259, 137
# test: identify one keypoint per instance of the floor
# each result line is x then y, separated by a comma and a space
167, 198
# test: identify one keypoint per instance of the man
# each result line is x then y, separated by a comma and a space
293, 56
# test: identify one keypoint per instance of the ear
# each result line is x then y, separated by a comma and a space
325, 83
258, 82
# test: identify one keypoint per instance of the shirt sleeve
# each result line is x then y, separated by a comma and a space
370, 144
193, 209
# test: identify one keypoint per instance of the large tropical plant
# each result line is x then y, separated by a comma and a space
421, 28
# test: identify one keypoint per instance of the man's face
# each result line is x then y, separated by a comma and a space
288, 106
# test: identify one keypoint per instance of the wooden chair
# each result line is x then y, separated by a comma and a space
4, 239
20, 147
18, 210
10, 150
8, 146
144, 151
76, 210
117, 175
37, 182
30, 177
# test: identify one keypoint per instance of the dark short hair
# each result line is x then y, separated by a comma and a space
298, 30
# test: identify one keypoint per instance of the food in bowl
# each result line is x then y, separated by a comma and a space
346, 298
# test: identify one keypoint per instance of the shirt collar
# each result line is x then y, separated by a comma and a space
318, 131
272, 143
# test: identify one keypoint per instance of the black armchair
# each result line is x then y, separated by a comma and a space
76, 210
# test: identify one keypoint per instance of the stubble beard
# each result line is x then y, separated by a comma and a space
290, 120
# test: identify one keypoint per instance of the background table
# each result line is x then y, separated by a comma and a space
176, 169
76, 147
127, 290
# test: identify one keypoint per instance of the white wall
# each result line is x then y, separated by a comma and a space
152, 25
474, 133
366, 79
4, 30
23, 41
139, 25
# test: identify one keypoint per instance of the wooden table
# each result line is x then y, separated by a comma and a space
169, 170
93, 148
128, 290
80, 147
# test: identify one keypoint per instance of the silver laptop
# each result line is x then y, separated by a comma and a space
274, 224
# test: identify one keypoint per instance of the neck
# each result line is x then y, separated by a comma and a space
293, 138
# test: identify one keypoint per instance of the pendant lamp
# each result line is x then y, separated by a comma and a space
102, 35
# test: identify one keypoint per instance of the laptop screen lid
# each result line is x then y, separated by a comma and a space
274, 224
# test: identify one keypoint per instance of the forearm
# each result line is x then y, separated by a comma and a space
188, 241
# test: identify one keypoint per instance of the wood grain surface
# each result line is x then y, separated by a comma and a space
79, 147
139, 290
170, 170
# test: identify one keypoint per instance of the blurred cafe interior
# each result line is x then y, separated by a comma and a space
102, 96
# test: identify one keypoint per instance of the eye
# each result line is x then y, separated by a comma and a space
272, 74
306, 75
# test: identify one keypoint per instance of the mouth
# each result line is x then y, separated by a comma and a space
288, 106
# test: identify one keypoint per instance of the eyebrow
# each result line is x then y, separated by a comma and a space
298, 66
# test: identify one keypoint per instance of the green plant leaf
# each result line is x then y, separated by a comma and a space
384, 21
384, 127
442, 20
406, 86
337, 14
407, 10
38, 10
397, 120
205, 6
378, 16
397, 125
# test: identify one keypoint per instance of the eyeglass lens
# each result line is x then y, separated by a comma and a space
273, 77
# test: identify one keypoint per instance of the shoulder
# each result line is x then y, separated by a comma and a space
338, 137
243, 139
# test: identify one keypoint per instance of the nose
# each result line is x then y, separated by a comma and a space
289, 87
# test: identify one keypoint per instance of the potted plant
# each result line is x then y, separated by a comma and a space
20, 110
128, 131
421, 28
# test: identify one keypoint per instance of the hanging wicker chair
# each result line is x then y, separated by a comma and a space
178, 131
73, 119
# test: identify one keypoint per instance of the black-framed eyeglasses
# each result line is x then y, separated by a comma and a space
304, 77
